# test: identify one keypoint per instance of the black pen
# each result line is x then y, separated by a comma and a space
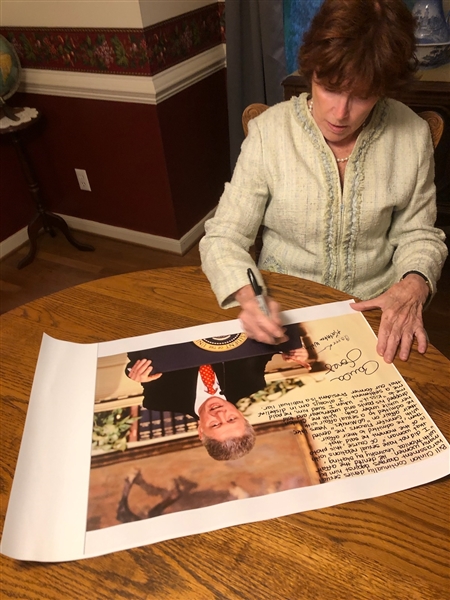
258, 293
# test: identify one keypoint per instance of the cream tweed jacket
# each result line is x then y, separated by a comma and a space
359, 238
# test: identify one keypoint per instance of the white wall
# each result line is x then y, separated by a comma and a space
93, 13
155, 11
99, 13
71, 13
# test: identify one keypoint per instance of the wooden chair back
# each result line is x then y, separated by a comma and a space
436, 124
434, 120
252, 111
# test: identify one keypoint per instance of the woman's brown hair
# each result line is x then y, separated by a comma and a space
365, 47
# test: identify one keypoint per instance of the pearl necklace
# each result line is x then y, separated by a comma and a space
338, 160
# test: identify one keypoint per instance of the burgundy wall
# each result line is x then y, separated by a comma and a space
156, 169
194, 129
16, 207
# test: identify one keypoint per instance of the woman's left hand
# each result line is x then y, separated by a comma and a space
401, 321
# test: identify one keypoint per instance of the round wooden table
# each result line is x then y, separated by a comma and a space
391, 547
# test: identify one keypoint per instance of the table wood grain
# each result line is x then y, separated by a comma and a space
391, 547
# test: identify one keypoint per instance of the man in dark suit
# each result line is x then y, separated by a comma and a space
222, 428
171, 379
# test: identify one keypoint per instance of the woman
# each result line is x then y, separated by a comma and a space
342, 179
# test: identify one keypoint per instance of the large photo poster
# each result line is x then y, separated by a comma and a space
169, 419
197, 429
317, 409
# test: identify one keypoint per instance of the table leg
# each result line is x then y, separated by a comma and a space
56, 221
43, 219
47, 221
33, 230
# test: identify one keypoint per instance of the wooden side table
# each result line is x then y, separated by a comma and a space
423, 95
43, 219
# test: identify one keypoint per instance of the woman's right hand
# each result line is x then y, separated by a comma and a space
257, 325
141, 371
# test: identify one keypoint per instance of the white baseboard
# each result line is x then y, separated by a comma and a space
125, 88
118, 233
13, 242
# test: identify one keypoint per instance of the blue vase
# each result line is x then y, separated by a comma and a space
432, 27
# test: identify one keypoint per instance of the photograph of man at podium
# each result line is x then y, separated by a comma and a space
209, 391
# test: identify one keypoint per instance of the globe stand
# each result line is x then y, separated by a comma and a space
43, 219
8, 111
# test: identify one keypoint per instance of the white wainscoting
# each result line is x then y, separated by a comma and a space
125, 88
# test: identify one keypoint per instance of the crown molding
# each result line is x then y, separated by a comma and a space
125, 88
187, 73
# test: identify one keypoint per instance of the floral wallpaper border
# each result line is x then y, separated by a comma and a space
120, 51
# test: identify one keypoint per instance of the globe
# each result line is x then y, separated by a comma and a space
10, 70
